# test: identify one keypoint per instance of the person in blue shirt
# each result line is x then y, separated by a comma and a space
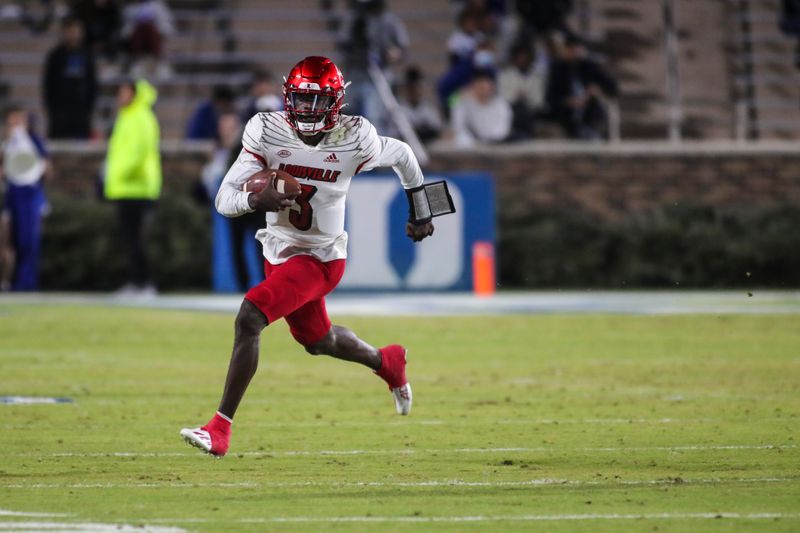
204, 122
25, 164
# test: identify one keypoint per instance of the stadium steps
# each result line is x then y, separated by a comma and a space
216, 43
22, 59
766, 78
708, 106
429, 24
633, 44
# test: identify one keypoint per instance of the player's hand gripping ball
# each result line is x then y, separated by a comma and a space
273, 190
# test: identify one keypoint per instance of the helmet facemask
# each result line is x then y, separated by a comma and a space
311, 111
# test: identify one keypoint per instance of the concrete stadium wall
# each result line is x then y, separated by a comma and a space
613, 181
607, 181
78, 165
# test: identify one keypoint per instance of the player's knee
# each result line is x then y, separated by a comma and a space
250, 321
315, 349
322, 346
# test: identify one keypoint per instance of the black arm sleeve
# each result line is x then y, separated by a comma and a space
419, 211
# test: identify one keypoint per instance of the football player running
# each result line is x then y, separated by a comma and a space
304, 242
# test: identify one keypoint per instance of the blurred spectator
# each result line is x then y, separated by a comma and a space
489, 13
354, 43
102, 23
229, 129
264, 95
6, 250
464, 40
576, 92
69, 85
243, 228
25, 165
522, 84
146, 26
372, 34
5, 85
542, 17
204, 121
480, 115
133, 175
462, 72
496, 24
423, 115
790, 24
37, 16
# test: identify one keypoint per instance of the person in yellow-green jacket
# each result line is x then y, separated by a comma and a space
133, 175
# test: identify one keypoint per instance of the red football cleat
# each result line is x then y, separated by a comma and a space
393, 372
214, 438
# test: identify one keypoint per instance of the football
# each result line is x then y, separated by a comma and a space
281, 180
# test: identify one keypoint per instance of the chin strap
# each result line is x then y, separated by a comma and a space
428, 201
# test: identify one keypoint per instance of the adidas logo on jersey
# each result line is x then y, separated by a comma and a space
331, 159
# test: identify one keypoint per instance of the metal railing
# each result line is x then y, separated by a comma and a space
745, 117
399, 118
675, 111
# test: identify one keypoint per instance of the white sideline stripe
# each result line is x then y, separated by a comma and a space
6, 512
432, 483
124, 528
532, 421
86, 526
456, 304
32, 400
696, 447
516, 421
305, 453
504, 518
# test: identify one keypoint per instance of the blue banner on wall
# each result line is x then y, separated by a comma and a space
380, 255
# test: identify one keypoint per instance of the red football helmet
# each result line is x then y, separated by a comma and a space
313, 95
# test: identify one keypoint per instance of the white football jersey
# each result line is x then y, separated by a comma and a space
314, 225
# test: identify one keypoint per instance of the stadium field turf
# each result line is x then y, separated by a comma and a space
520, 422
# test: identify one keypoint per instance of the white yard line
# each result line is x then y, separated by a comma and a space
505, 518
33, 400
19, 524
59, 527
6, 512
534, 518
430, 483
531, 421
422, 451
509, 422
125, 528
452, 304
694, 447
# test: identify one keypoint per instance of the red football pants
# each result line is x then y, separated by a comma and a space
295, 290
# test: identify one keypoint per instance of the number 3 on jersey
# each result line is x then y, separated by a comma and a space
301, 219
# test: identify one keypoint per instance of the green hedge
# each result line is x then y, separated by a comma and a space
686, 246
81, 248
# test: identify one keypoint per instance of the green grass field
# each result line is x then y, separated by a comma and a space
547, 422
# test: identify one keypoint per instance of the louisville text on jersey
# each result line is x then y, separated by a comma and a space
311, 173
